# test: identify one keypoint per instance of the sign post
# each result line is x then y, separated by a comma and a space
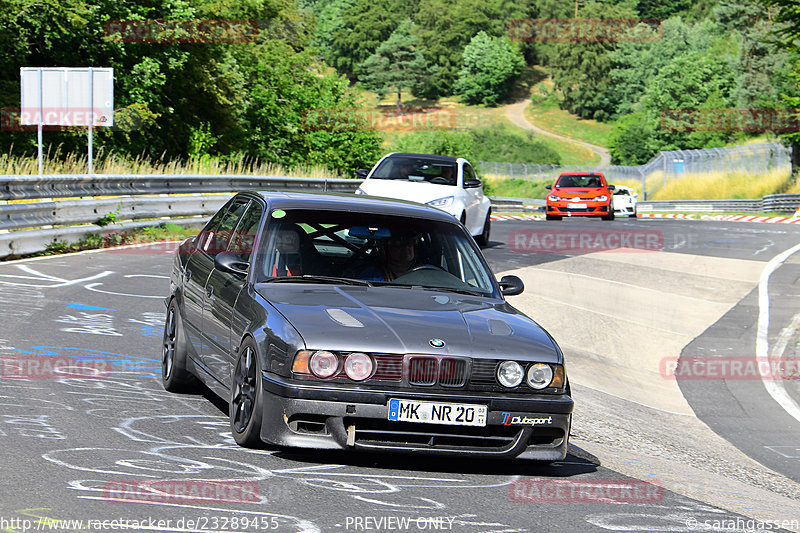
67, 97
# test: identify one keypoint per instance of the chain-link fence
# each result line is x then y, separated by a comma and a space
751, 159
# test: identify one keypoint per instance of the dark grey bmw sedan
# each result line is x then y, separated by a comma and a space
337, 321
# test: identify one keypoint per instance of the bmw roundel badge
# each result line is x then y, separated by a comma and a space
436, 343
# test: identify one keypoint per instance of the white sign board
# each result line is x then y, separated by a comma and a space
67, 96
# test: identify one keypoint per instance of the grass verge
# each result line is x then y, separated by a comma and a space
90, 241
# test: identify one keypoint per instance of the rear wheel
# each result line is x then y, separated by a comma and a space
483, 238
246, 398
174, 375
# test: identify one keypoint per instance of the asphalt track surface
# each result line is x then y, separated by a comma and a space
88, 449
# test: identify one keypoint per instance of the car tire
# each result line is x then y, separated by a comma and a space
633, 215
609, 216
483, 238
552, 217
245, 406
174, 375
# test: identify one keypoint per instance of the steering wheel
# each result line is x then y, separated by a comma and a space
427, 266
439, 180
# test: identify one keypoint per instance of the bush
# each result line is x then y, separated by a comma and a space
495, 143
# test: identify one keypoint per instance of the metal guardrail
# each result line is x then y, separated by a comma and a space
777, 203
66, 186
140, 201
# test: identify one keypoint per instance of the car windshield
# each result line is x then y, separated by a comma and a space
579, 181
621, 192
331, 246
417, 169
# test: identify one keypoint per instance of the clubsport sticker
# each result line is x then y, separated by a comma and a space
516, 420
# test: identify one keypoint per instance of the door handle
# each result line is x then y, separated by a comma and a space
187, 275
209, 291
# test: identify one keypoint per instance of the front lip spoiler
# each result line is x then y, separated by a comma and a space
536, 403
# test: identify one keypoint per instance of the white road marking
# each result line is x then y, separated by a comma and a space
774, 387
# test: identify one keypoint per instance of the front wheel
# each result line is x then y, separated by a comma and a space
246, 397
552, 217
174, 374
483, 238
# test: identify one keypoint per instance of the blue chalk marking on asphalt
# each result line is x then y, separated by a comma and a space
89, 307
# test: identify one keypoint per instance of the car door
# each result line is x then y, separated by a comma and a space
222, 291
473, 197
195, 275
213, 239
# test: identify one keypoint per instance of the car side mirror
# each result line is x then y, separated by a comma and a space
230, 263
511, 285
362, 173
636, 195
472, 183
548, 186
610, 187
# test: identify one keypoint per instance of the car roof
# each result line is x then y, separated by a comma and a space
432, 157
349, 202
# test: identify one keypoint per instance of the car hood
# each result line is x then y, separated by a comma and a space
404, 320
415, 191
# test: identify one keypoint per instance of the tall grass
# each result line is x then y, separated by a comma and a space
72, 163
723, 185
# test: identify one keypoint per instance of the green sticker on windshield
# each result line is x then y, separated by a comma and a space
278, 213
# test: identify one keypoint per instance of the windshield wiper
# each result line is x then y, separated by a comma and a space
319, 279
471, 292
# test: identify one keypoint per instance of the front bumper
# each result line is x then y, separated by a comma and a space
330, 417
592, 209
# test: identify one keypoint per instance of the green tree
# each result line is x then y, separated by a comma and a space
633, 139
490, 66
397, 64
366, 24
445, 27
581, 69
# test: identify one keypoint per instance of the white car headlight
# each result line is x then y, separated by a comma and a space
510, 374
359, 191
554, 198
600, 198
442, 202
539, 376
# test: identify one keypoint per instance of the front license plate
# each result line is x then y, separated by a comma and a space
576, 206
454, 414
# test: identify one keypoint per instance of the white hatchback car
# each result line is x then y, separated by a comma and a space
624, 200
448, 183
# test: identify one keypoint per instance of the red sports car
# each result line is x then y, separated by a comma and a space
580, 194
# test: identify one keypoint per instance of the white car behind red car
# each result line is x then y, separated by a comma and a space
624, 199
448, 183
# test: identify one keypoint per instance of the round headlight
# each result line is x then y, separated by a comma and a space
510, 374
323, 364
540, 375
358, 366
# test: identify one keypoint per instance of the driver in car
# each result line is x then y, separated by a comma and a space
399, 256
